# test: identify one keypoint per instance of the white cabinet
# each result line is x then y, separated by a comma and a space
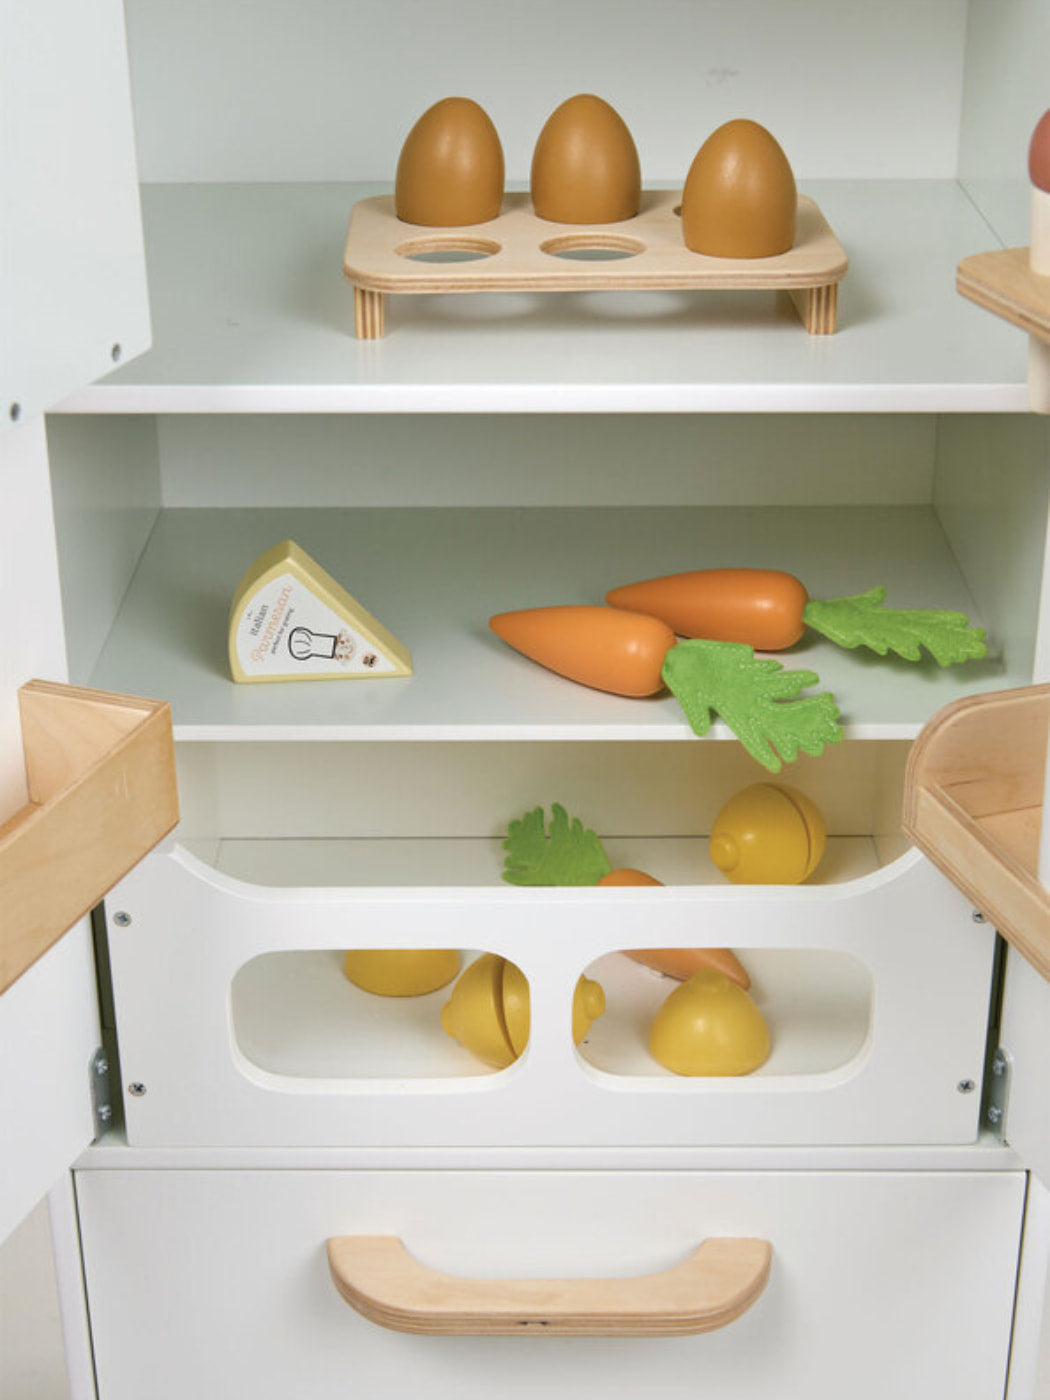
500, 452
856, 1257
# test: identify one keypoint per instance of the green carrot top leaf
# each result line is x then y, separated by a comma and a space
863, 621
757, 698
566, 854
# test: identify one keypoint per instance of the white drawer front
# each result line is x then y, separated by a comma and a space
215, 1284
191, 930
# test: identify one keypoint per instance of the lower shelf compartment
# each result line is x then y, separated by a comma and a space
896, 1283
295, 1013
238, 1027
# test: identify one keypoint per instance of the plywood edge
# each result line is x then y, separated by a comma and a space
518, 264
101, 770
1003, 283
974, 778
67, 729
716, 1284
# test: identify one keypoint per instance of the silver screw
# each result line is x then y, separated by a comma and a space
105, 1113
122, 919
115, 354
966, 1086
999, 1064
101, 1066
136, 1090
995, 1115
978, 917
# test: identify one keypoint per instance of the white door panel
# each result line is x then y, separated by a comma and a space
72, 267
48, 1034
49, 1026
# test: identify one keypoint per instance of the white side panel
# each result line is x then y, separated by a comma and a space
48, 1033
105, 478
72, 1296
31, 1365
1025, 1035
31, 642
1030, 1350
882, 1285
309, 90
49, 1018
72, 270
991, 497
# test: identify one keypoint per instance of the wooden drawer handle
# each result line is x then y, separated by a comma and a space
715, 1285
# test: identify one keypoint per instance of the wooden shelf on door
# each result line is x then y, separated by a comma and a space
100, 770
973, 803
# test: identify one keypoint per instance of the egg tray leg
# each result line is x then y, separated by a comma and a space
368, 314
817, 307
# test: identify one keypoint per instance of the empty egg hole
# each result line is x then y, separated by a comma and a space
448, 250
592, 247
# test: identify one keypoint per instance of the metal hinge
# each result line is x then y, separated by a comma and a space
998, 1090
101, 1101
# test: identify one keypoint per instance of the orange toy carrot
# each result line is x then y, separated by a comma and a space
601, 647
678, 962
633, 654
568, 853
769, 610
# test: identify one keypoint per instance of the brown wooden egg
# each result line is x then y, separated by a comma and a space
585, 167
739, 199
1039, 154
450, 171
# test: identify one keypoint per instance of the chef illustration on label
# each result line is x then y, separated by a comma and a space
303, 644
291, 621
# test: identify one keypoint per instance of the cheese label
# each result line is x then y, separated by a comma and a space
292, 621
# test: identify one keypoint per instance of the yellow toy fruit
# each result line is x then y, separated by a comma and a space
768, 834
488, 1011
474, 1013
588, 1003
516, 1015
709, 1026
401, 972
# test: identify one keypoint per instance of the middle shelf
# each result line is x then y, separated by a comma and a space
434, 576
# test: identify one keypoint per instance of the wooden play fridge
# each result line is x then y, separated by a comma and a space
261, 1180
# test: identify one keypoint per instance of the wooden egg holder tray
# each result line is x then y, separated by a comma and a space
520, 254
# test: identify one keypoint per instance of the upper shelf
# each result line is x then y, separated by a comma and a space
251, 315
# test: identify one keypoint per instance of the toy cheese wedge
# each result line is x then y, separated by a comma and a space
290, 621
